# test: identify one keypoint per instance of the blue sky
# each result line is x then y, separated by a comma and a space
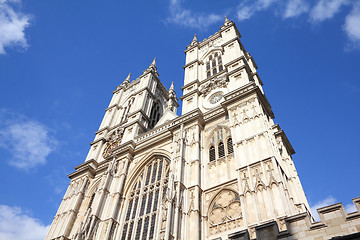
60, 61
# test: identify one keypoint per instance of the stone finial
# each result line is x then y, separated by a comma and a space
226, 19
194, 41
153, 62
171, 87
152, 67
127, 79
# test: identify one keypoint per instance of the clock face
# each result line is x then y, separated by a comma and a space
215, 98
110, 146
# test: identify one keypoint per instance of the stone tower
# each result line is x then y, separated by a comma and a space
221, 170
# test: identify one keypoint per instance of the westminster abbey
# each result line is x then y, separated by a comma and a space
221, 170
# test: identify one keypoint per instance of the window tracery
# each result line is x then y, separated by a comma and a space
225, 207
220, 144
143, 203
155, 114
214, 64
127, 109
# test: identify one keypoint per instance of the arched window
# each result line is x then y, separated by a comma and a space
127, 109
155, 114
230, 146
212, 153
221, 138
221, 149
214, 64
144, 200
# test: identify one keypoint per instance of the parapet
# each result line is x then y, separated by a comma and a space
335, 223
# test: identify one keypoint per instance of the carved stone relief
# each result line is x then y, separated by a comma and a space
225, 212
218, 82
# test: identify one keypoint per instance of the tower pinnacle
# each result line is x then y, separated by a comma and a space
127, 79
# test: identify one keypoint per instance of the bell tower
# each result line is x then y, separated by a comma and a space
136, 107
221, 170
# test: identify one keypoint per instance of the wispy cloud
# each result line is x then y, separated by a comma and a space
314, 11
352, 26
187, 18
12, 25
326, 9
16, 224
295, 8
350, 208
325, 202
246, 9
28, 142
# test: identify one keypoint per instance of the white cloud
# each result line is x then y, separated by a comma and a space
326, 9
28, 142
352, 25
15, 224
247, 9
350, 208
12, 25
325, 202
295, 8
187, 18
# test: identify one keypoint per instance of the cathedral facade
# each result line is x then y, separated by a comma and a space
221, 170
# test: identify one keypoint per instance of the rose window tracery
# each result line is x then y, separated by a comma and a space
226, 207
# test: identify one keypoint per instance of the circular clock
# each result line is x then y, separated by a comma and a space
110, 146
216, 97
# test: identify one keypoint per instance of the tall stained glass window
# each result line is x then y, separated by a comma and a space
144, 200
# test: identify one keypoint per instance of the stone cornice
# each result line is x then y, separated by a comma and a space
244, 91
192, 62
89, 167
230, 41
190, 93
214, 36
213, 76
284, 138
190, 83
174, 124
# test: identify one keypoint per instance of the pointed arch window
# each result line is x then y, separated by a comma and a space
220, 144
214, 64
221, 150
212, 153
230, 147
127, 110
143, 203
155, 115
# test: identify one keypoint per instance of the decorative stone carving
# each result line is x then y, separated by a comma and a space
218, 82
225, 212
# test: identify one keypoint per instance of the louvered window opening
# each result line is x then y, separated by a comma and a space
214, 64
221, 150
212, 154
154, 115
144, 201
230, 146
219, 144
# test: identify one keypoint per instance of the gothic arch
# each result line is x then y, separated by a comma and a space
142, 163
214, 130
144, 195
210, 51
